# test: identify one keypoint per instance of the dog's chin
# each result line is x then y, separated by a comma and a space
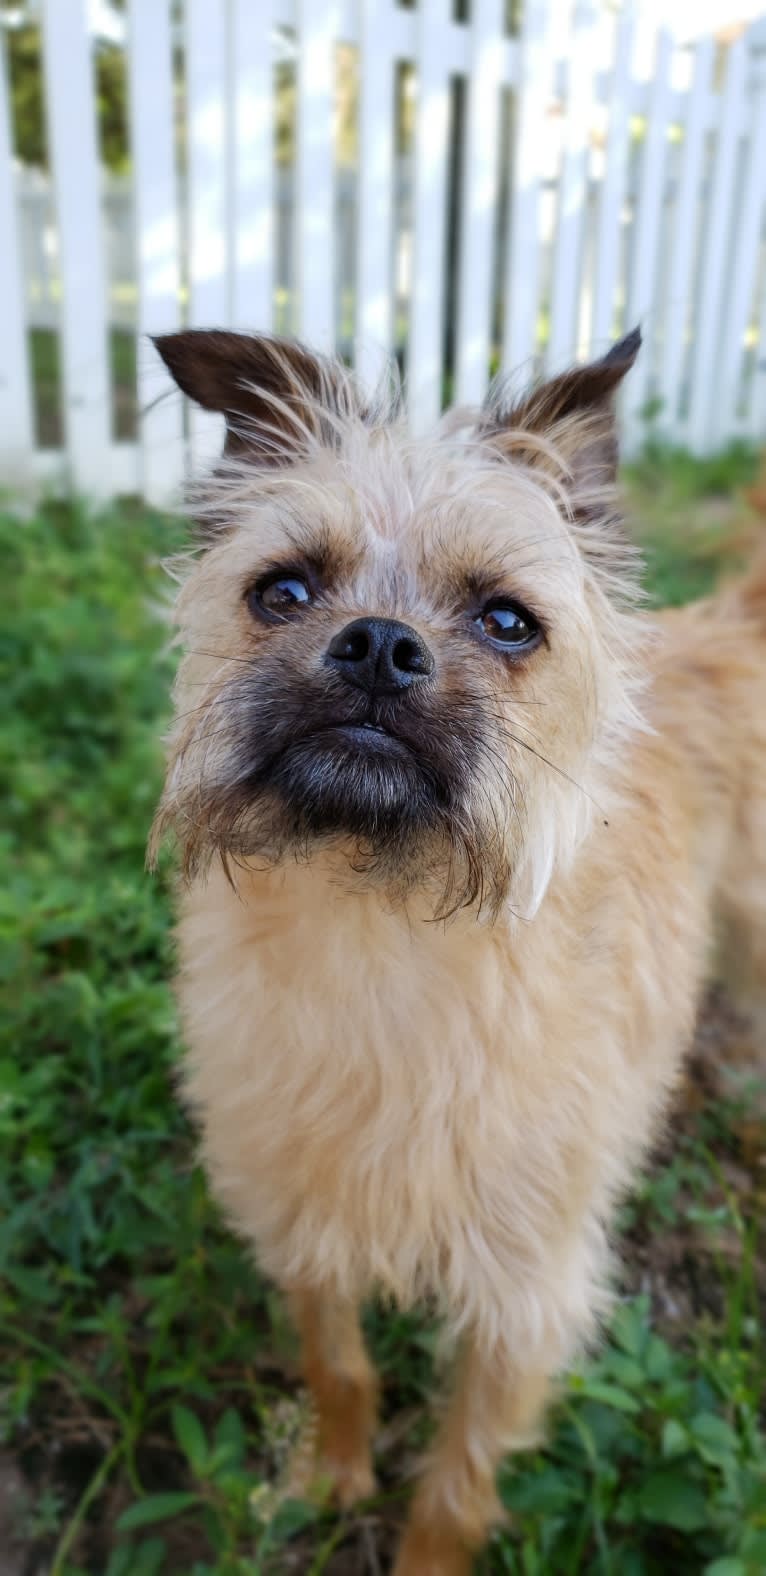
399, 815
357, 780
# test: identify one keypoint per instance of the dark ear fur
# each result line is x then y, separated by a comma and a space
575, 414
271, 391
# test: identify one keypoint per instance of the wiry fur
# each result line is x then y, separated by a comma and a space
448, 1111
400, 518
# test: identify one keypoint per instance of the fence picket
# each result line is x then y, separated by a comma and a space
613, 189
641, 295
756, 411
533, 96
425, 358
704, 385
679, 296
252, 154
207, 196
156, 221
317, 34
740, 280
573, 189
479, 201
374, 288
70, 105
16, 434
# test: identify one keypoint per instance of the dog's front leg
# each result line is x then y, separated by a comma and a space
496, 1408
343, 1389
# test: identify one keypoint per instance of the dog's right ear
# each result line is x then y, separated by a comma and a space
278, 399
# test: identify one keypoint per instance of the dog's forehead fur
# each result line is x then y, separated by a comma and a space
399, 522
314, 464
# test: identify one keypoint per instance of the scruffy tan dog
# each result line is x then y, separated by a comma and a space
461, 827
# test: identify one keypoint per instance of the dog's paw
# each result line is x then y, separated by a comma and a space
350, 1481
427, 1552
328, 1482
325, 1477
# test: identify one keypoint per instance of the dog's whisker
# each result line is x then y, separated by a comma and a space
221, 656
222, 697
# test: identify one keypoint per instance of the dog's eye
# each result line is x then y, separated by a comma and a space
508, 625
279, 595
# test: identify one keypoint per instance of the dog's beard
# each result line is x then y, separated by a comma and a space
360, 781
398, 789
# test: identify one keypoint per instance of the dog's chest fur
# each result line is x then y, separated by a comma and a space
386, 1101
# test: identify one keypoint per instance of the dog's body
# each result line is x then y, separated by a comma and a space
449, 1109
464, 1170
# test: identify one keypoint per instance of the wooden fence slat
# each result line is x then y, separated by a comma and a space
645, 233
16, 429
207, 197
71, 117
315, 194
426, 339
155, 201
679, 294
756, 401
756, 412
253, 170
704, 384
51, 470
573, 190
533, 98
374, 271
737, 297
479, 201
613, 188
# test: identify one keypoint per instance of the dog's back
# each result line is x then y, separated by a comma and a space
720, 645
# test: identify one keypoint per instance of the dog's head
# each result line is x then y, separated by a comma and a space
415, 651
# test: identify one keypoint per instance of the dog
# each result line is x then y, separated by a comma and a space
463, 831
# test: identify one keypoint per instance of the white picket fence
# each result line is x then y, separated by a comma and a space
517, 195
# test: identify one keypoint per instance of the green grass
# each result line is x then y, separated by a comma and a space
148, 1379
687, 513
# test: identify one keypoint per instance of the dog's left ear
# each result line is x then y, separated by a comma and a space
276, 396
568, 422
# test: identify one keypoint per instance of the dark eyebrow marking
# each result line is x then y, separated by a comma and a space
330, 555
464, 584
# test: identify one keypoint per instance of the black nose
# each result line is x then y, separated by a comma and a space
379, 655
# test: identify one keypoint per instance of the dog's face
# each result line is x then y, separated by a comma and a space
412, 651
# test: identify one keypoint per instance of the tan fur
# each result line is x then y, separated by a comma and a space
344, 1390
448, 1111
